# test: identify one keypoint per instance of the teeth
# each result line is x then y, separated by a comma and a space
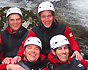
15, 25
47, 22
32, 54
63, 55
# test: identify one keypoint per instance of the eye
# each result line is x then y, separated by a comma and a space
29, 47
37, 48
49, 15
66, 47
43, 16
18, 19
11, 19
59, 48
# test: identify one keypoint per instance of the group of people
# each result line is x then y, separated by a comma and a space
45, 47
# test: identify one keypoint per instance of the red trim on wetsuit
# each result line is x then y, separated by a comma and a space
85, 63
73, 43
55, 60
2, 66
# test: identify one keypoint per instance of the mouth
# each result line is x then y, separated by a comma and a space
63, 56
33, 55
15, 25
47, 23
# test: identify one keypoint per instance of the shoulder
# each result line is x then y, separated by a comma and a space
77, 64
36, 27
61, 25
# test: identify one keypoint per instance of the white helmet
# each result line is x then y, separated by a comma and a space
33, 40
45, 6
13, 10
58, 41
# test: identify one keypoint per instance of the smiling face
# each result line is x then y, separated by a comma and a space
15, 22
62, 53
32, 52
46, 18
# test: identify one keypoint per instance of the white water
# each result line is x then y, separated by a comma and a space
74, 12
81, 11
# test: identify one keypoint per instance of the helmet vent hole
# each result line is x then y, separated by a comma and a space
38, 42
28, 40
56, 42
50, 6
65, 39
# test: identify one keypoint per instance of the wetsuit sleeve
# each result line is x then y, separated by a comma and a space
21, 49
73, 43
85, 63
2, 66
1, 50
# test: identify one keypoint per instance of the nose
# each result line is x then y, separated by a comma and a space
15, 21
63, 50
46, 19
33, 50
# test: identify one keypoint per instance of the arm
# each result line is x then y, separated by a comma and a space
85, 63
73, 44
2, 66
68, 34
1, 50
14, 67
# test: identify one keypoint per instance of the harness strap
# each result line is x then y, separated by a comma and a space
24, 66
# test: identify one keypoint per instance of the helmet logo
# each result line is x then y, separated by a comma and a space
38, 42
70, 34
50, 6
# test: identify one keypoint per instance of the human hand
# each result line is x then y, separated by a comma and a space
77, 55
14, 67
15, 59
7, 60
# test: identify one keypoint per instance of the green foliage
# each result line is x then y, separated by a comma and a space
27, 15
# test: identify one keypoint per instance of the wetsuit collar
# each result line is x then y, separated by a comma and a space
50, 28
55, 60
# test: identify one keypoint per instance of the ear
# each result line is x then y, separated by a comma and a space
53, 52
